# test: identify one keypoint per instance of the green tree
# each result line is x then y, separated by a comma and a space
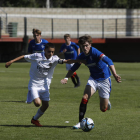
129, 4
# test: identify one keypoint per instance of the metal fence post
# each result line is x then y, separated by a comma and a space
102, 28
116, 28
52, 28
25, 26
0, 26
25, 38
77, 28
6, 24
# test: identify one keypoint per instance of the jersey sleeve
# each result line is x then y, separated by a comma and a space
107, 60
76, 65
103, 57
99, 55
30, 58
76, 46
56, 58
45, 41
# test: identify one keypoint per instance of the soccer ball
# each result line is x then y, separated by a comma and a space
87, 124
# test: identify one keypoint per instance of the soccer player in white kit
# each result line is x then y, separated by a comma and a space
42, 68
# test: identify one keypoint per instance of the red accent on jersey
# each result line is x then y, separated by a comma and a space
101, 56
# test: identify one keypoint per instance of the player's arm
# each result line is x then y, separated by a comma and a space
62, 49
12, 61
117, 77
78, 51
70, 61
69, 74
112, 68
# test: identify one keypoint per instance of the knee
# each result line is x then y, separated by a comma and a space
85, 97
103, 109
37, 103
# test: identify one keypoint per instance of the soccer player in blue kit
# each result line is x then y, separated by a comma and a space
99, 66
37, 45
70, 50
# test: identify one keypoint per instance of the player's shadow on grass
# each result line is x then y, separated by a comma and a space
49, 126
14, 101
61, 87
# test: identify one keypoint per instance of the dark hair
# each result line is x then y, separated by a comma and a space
49, 45
66, 35
36, 31
84, 39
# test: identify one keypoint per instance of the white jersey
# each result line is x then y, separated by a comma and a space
41, 69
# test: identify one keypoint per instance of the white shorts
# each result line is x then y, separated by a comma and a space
35, 92
103, 87
68, 66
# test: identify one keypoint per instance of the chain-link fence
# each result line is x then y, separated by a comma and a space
56, 28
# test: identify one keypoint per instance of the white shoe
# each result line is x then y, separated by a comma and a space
109, 105
77, 126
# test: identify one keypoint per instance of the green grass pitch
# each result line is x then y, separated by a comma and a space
122, 122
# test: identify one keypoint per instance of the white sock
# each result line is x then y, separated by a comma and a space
38, 114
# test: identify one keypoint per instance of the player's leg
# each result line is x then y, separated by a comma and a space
37, 102
40, 112
77, 79
103, 104
104, 93
88, 92
90, 89
68, 67
44, 96
73, 80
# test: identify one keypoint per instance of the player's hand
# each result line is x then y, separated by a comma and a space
64, 50
63, 81
68, 61
117, 78
8, 64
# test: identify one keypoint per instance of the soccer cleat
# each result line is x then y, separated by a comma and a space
36, 122
109, 105
77, 85
77, 126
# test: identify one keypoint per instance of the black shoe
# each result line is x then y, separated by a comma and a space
77, 85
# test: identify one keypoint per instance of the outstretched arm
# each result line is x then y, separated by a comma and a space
78, 51
112, 67
69, 74
63, 51
70, 61
12, 61
117, 77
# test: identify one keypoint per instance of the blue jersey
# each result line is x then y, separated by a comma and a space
71, 52
97, 63
37, 47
